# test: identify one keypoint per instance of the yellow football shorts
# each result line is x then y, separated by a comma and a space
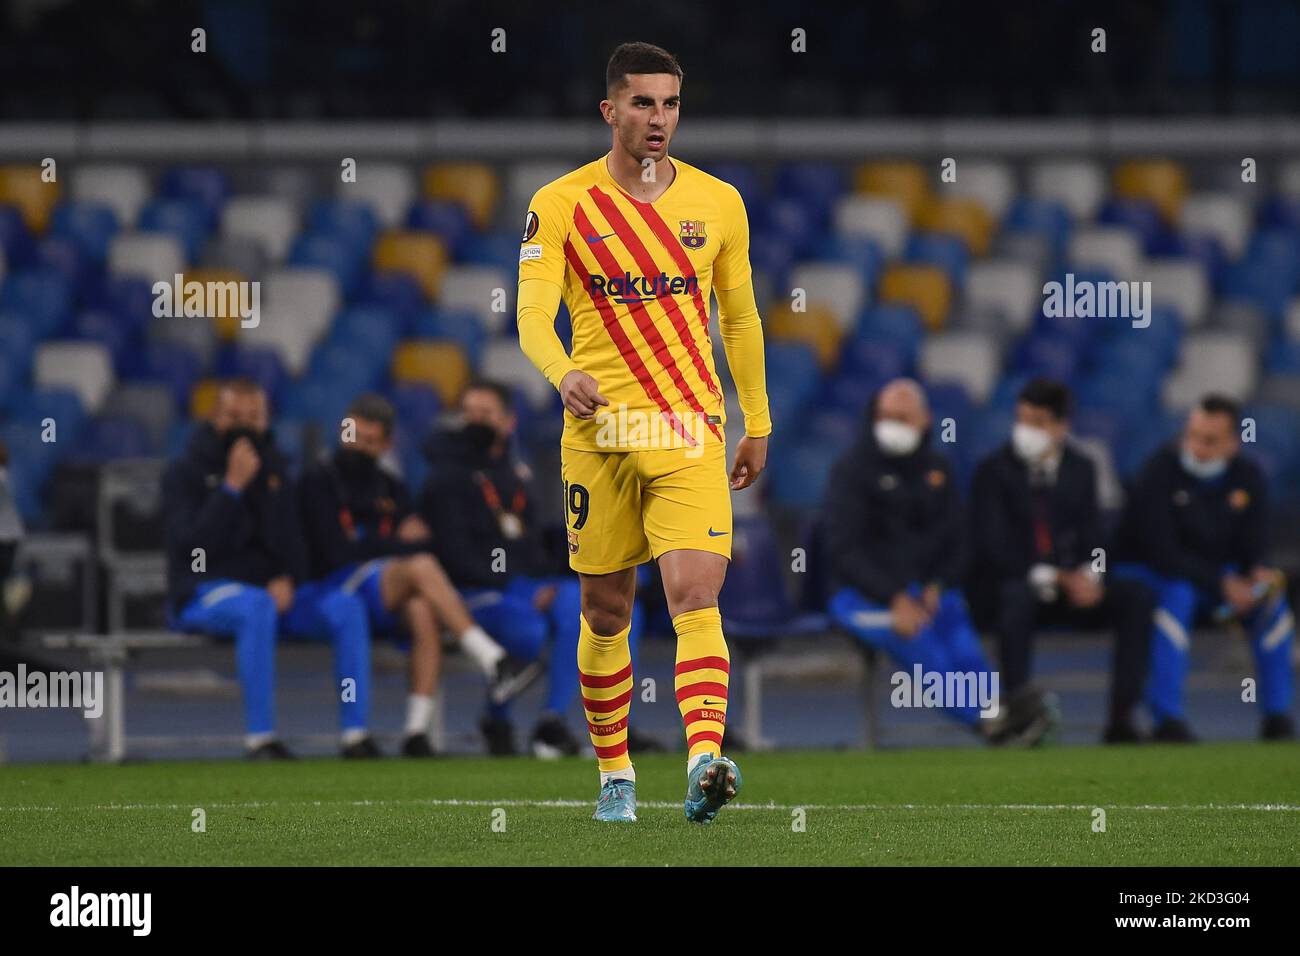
623, 508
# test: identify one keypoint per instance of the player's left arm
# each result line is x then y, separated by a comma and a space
742, 339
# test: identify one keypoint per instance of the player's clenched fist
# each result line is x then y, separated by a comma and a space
242, 464
581, 394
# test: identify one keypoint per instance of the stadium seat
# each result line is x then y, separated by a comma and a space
479, 290
503, 361
524, 178
66, 257
388, 188
1225, 217
298, 185
15, 238
41, 297
85, 368
149, 404
1289, 179
1212, 362
1110, 248
754, 601
816, 327
311, 294
965, 218
196, 334
906, 183
333, 254
1078, 185
898, 324
840, 288
1141, 217
206, 185
226, 321
794, 223
1182, 285
152, 256
1006, 289
417, 406
186, 219
21, 187
880, 218
447, 220
473, 185
1245, 318
245, 256
945, 250
351, 220
124, 188
441, 365
861, 254
798, 477
263, 366
270, 220
455, 325
1160, 181
988, 182
924, 288
170, 363
90, 225
968, 359
421, 256
203, 398
816, 184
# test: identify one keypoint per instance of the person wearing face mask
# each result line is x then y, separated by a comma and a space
365, 540
894, 530
1040, 558
479, 502
1196, 530
234, 551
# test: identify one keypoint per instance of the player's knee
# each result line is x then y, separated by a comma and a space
692, 597
343, 611
1178, 597
606, 615
255, 608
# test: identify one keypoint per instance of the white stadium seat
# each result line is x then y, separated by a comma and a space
389, 189
298, 306
1289, 180
837, 286
968, 358
473, 288
1004, 288
988, 182
523, 179
1112, 248
503, 361
272, 220
152, 256
1212, 362
1079, 185
124, 189
1221, 215
1180, 283
82, 367
873, 217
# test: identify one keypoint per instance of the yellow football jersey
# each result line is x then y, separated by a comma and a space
637, 279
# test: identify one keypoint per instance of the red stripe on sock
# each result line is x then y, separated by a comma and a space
702, 687
703, 735
605, 680
617, 750
607, 706
717, 663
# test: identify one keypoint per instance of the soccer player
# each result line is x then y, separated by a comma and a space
364, 540
635, 242
1196, 528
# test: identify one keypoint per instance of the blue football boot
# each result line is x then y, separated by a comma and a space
617, 802
711, 784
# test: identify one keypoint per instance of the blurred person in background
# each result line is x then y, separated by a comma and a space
1196, 530
364, 539
895, 532
479, 503
235, 557
1040, 559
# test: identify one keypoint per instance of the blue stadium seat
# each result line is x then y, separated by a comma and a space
112, 436
1280, 211
171, 363
858, 251
448, 220
817, 185
90, 225
128, 298
397, 292
1052, 355
15, 240
44, 297
1138, 215
186, 219
263, 365
315, 401
417, 405
501, 251
205, 185
368, 328
459, 326
770, 253
31, 407
335, 254
100, 325
351, 221
899, 324
745, 177
65, 257
797, 223
346, 369
800, 473
754, 602
878, 361
17, 337
941, 249
1044, 217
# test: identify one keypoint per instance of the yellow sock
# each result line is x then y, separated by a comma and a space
700, 679
605, 670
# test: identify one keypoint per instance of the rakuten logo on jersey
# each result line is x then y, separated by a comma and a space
630, 288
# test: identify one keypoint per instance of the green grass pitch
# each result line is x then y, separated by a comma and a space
1221, 804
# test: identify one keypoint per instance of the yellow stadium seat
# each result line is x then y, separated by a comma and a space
904, 182
203, 397
966, 218
925, 288
1158, 181
227, 324
473, 185
418, 254
21, 186
816, 326
433, 362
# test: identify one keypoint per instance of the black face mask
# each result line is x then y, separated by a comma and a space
479, 438
232, 435
355, 463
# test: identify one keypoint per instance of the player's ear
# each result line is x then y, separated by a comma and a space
607, 111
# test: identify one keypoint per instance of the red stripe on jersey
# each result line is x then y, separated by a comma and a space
638, 311
624, 344
700, 688
605, 680
606, 706
674, 249
647, 265
717, 663
703, 735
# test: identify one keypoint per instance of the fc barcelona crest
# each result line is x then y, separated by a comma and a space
692, 234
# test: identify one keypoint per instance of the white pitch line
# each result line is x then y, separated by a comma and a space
667, 805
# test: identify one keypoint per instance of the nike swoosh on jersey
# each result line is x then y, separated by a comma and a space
600, 238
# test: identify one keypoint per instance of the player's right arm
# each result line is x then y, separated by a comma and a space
541, 282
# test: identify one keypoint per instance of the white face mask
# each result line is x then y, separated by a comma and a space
1030, 442
1202, 469
896, 438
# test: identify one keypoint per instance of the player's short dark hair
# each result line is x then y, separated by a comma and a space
499, 389
1218, 404
241, 385
638, 58
1049, 394
374, 408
